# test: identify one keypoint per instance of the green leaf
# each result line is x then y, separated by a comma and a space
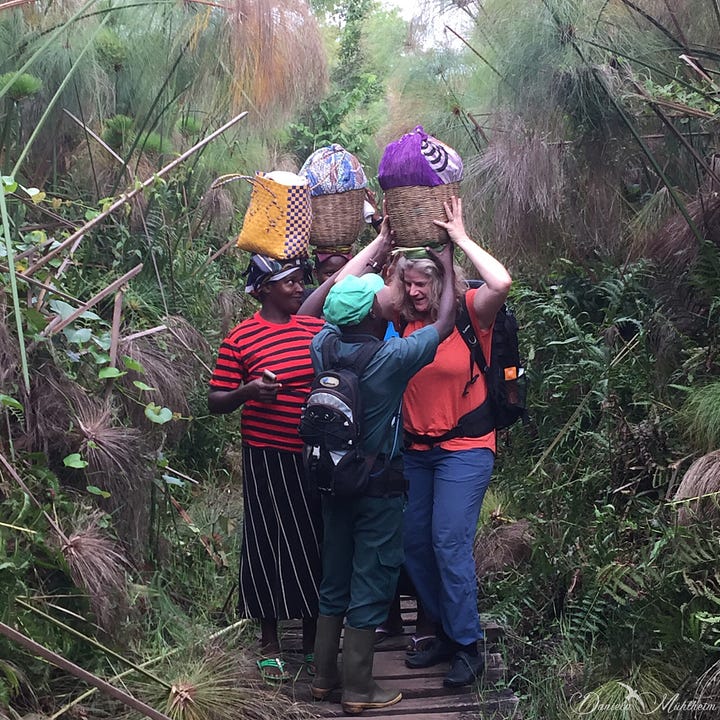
89, 315
110, 372
157, 414
36, 320
94, 490
140, 385
103, 341
11, 402
100, 358
74, 461
132, 364
79, 336
63, 309
37, 196
8, 183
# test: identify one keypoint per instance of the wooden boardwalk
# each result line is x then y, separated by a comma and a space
424, 695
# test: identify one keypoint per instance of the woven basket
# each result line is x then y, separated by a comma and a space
337, 219
412, 210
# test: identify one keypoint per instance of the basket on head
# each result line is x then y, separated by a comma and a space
337, 219
412, 209
337, 181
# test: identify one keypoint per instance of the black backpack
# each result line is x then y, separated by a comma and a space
505, 378
331, 421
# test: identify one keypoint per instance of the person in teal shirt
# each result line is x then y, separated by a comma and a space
362, 545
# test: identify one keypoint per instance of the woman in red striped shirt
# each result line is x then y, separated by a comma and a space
264, 366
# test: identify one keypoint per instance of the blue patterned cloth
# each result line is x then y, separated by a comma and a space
333, 169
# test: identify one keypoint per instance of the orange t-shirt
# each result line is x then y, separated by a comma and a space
433, 401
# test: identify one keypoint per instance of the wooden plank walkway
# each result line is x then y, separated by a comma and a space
424, 695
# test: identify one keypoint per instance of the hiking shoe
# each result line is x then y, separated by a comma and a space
465, 670
436, 651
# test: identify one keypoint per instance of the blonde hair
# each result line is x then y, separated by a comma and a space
432, 271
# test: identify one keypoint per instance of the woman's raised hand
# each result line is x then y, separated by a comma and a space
455, 226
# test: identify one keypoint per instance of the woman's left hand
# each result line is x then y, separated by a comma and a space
455, 226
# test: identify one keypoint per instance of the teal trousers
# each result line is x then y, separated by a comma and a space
361, 557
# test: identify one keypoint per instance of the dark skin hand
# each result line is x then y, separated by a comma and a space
221, 402
376, 251
446, 311
280, 299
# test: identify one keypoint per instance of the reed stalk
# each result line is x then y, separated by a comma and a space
91, 641
14, 287
239, 625
123, 199
59, 661
51, 40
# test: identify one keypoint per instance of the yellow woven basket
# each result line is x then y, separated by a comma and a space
336, 219
278, 219
412, 210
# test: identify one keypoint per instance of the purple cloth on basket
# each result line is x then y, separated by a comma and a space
333, 169
419, 159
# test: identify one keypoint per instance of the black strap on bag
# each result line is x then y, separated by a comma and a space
481, 420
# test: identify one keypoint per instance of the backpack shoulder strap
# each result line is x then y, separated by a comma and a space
358, 361
463, 322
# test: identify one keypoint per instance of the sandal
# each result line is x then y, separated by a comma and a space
272, 670
309, 660
418, 643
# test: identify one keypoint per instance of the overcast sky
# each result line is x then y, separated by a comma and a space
408, 8
455, 18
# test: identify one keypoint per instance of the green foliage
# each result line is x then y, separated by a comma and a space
675, 92
189, 126
343, 118
19, 87
118, 132
348, 115
154, 143
111, 50
613, 584
701, 416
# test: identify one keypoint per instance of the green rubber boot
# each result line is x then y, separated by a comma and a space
360, 691
327, 644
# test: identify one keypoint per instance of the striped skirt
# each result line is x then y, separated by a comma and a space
280, 555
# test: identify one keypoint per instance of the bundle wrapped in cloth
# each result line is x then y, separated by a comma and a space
418, 174
337, 189
278, 219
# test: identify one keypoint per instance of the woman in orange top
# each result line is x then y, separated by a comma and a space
447, 479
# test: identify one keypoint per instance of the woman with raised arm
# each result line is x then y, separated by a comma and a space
447, 473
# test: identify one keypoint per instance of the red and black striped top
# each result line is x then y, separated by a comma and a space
255, 345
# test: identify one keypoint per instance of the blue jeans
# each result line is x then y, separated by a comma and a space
361, 558
444, 499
